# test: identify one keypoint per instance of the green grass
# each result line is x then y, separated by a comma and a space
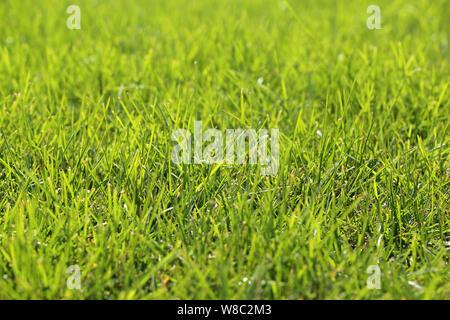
86, 178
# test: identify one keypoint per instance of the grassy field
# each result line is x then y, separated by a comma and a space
86, 177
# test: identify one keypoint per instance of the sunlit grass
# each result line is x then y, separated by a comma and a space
86, 177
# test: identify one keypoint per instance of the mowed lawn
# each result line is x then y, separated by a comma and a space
86, 177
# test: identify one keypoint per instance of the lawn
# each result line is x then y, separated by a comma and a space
87, 182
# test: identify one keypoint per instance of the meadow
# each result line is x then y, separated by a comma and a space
86, 177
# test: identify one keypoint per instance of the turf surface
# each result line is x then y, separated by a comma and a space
86, 177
